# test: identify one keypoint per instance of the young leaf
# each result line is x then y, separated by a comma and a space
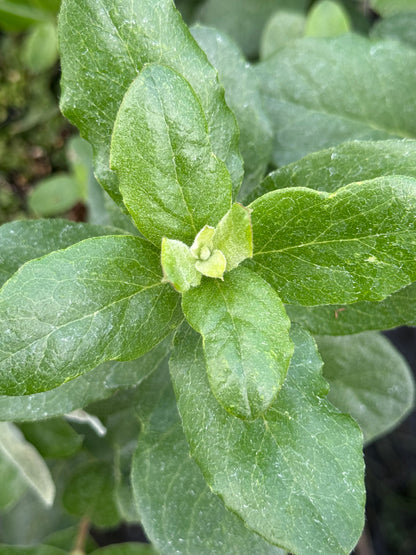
294, 476
98, 300
178, 265
104, 44
179, 512
369, 379
242, 93
282, 28
234, 237
27, 461
170, 179
319, 92
358, 243
246, 339
21, 241
327, 19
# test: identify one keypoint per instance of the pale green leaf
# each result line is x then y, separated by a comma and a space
179, 265
400, 26
105, 43
327, 18
179, 512
12, 484
369, 379
246, 339
170, 179
295, 476
65, 313
27, 461
99, 383
243, 20
281, 29
90, 492
54, 195
389, 7
214, 266
40, 48
322, 92
332, 168
234, 237
21, 241
357, 243
52, 438
242, 93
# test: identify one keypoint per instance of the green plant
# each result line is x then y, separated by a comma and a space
225, 293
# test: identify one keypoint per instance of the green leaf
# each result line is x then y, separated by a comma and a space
17, 16
331, 169
242, 93
234, 237
179, 512
40, 48
101, 39
26, 550
400, 26
294, 476
52, 438
90, 492
243, 20
28, 462
369, 379
99, 383
98, 300
399, 309
319, 93
389, 7
54, 195
246, 340
327, 19
21, 241
179, 265
282, 28
170, 179
355, 244
129, 548
12, 485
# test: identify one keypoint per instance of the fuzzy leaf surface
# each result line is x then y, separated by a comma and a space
104, 44
171, 181
246, 339
400, 26
322, 92
65, 313
369, 379
301, 462
24, 240
178, 510
356, 244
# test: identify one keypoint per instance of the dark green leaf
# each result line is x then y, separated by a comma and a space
63, 314
243, 97
126, 549
170, 179
295, 476
52, 438
322, 92
35, 550
179, 512
90, 492
401, 27
368, 379
22, 241
105, 43
246, 339
358, 243
17, 16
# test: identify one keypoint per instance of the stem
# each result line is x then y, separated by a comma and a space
79, 547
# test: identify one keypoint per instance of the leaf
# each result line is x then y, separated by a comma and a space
335, 167
320, 92
90, 492
243, 97
104, 44
281, 29
327, 19
243, 20
128, 548
52, 438
12, 486
294, 476
368, 379
19, 16
26, 550
40, 48
179, 512
178, 265
355, 244
99, 383
98, 300
54, 195
400, 26
388, 7
246, 340
27, 460
170, 179
234, 237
